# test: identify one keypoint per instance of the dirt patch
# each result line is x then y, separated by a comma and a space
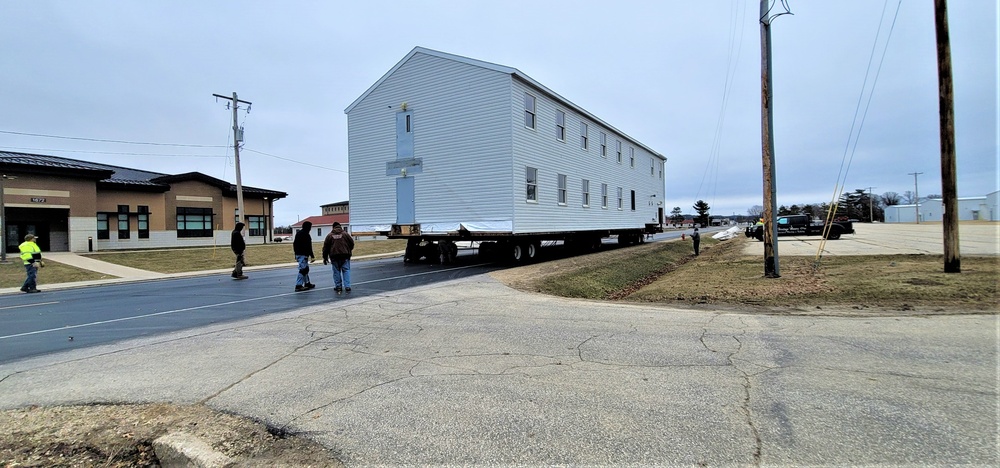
122, 436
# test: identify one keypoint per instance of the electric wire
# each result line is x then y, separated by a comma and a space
106, 141
849, 149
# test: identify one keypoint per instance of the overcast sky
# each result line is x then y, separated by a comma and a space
682, 77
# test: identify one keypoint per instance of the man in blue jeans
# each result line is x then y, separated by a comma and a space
337, 249
303, 248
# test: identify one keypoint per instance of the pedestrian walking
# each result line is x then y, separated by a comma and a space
239, 246
31, 256
337, 248
696, 238
302, 247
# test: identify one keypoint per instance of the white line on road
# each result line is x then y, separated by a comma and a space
208, 306
29, 305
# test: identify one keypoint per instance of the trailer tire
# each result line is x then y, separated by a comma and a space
835, 232
532, 250
518, 253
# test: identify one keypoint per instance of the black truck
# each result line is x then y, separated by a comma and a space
802, 225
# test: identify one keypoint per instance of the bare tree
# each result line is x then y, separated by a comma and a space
909, 197
755, 212
891, 198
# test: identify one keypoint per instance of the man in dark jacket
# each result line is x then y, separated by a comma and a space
337, 249
302, 247
239, 247
696, 238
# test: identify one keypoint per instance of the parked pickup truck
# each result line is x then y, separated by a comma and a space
802, 225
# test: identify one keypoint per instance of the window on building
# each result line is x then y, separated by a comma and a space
604, 196
562, 188
661, 170
585, 190
651, 166
620, 205
633, 200
408, 123
194, 222
256, 225
142, 220
531, 184
583, 135
631, 156
604, 145
561, 125
618, 144
529, 110
123, 224
103, 231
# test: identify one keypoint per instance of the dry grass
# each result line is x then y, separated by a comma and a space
12, 274
213, 258
667, 273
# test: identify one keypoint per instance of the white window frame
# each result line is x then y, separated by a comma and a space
585, 193
618, 149
531, 184
620, 201
631, 156
584, 134
604, 196
604, 145
561, 188
529, 111
560, 125
652, 165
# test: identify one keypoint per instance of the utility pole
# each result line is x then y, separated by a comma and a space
916, 193
771, 267
946, 110
871, 215
237, 138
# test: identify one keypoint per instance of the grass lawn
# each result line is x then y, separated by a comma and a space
12, 274
667, 272
214, 258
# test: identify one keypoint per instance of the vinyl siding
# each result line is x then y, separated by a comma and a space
460, 131
541, 149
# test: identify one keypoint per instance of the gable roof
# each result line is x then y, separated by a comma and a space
505, 70
327, 220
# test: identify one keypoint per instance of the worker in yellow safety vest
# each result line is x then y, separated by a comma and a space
31, 256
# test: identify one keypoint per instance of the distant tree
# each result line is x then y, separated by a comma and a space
676, 216
795, 209
891, 198
909, 197
812, 210
702, 208
784, 211
934, 196
755, 212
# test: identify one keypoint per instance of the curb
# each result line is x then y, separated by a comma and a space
180, 449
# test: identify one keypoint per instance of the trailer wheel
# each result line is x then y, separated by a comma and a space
834, 233
532, 250
518, 253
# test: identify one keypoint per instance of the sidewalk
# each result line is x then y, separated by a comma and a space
123, 274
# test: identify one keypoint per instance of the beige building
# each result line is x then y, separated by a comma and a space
82, 206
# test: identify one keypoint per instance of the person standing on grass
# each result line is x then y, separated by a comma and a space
337, 248
239, 247
31, 256
302, 247
696, 238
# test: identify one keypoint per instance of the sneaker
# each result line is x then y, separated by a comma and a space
300, 288
241, 277
310, 285
33, 290
24, 290
347, 289
337, 290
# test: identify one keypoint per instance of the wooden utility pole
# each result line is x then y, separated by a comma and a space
946, 110
237, 138
771, 266
916, 193
871, 212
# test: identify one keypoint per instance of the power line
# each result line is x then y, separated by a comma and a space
108, 141
120, 153
294, 161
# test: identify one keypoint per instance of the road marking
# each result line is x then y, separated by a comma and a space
208, 306
29, 305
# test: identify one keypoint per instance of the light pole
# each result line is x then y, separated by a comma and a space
3, 220
916, 193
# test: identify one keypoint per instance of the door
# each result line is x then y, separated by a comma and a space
404, 200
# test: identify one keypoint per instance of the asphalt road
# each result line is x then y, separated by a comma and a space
61, 320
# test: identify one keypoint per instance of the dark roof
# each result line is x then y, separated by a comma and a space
108, 176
